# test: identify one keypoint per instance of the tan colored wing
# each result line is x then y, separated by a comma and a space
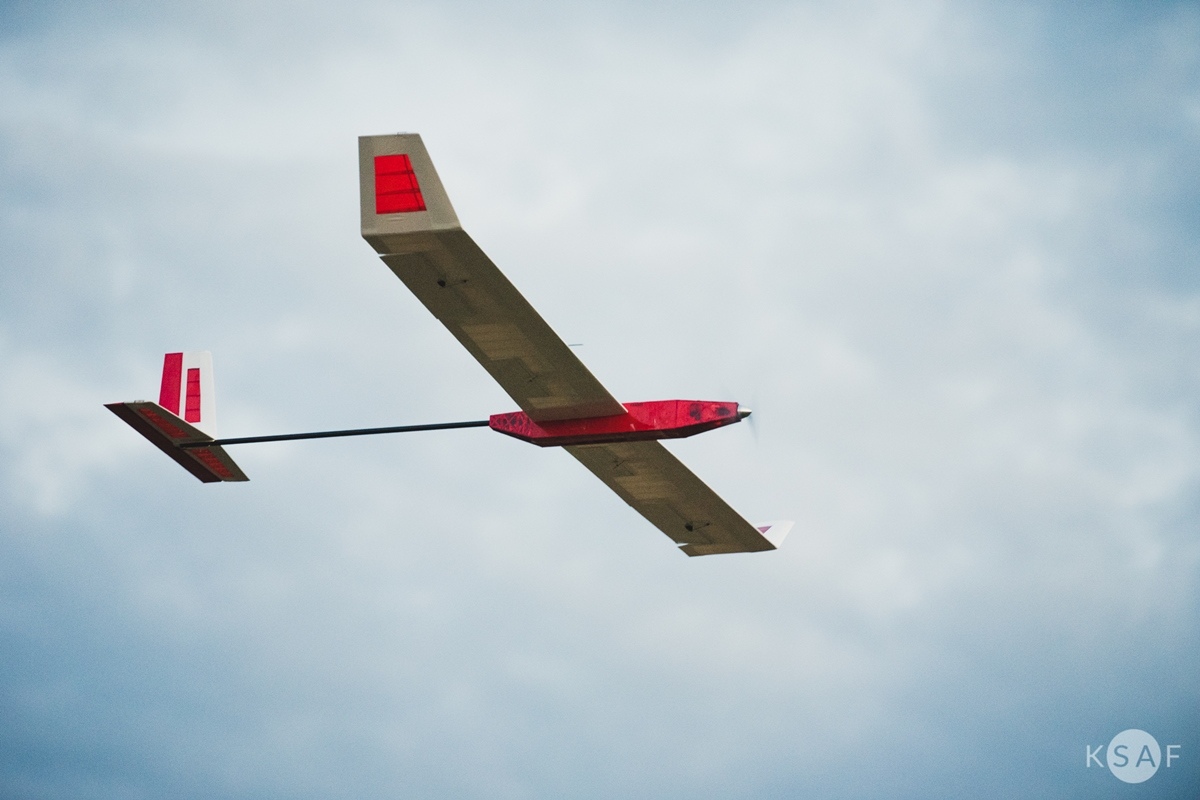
418, 236
671, 497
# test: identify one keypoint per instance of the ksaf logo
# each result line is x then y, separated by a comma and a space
1132, 756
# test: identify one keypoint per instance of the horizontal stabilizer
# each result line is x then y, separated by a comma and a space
166, 431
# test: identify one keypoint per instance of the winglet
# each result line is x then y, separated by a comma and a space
184, 418
773, 532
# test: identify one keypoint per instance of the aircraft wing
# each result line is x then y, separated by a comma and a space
408, 219
660, 488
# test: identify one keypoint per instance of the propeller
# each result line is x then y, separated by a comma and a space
746, 413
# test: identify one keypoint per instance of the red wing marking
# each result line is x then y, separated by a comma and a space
396, 187
163, 423
208, 458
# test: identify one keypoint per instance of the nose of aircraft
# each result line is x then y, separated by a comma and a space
743, 412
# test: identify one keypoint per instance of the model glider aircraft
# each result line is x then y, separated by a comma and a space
408, 219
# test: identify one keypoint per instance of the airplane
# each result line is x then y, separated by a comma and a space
407, 218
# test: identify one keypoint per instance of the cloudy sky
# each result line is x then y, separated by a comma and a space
947, 251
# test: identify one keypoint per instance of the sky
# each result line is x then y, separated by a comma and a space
946, 251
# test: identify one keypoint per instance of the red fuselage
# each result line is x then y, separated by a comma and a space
659, 419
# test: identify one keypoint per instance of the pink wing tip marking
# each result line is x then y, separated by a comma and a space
396, 187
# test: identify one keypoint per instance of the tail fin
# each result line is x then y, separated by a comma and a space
187, 389
184, 420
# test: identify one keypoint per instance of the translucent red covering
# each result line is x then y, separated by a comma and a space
191, 407
168, 395
659, 419
396, 187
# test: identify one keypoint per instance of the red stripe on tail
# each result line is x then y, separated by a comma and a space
191, 411
168, 395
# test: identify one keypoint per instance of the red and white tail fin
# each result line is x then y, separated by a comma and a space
183, 423
187, 389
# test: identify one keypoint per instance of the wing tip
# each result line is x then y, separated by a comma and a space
772, 536
775, 531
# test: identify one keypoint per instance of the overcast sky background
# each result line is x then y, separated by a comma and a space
947, 252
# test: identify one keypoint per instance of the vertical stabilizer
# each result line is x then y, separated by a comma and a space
187, 389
